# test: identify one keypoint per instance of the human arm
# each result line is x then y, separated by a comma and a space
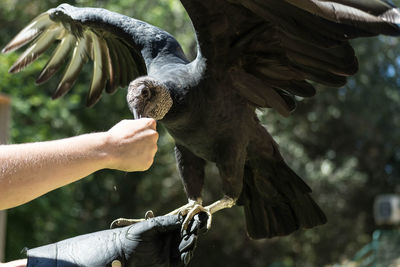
30, 170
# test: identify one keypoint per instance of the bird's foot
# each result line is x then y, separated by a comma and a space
189, 210
185, 208
223, 203
196, 209
226, 202
121, 222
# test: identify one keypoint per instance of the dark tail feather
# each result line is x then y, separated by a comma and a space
277, 202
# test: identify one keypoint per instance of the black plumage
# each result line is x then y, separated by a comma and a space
251, 54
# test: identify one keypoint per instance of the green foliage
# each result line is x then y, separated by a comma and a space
343, 142
93, 203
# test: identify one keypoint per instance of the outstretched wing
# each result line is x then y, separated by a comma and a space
121, 47
271, 49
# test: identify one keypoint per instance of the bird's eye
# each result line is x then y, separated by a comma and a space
146, 93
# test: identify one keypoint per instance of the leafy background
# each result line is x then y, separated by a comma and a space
344, 142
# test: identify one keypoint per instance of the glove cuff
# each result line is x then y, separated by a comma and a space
43, 256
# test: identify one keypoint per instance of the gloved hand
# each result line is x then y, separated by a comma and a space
153, 242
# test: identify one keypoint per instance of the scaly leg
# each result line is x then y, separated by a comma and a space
191, 170
192, 208
223, 203
230, 161
186, 208
195, 207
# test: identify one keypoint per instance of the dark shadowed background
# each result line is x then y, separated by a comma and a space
344, 142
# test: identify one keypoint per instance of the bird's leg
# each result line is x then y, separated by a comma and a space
195, 207
230, 162
223, 203
191, 170
185, 208
189, 210
192, 208
231, 156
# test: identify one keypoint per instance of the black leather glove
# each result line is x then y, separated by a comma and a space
155, 242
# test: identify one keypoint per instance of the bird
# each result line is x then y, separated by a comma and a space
251, 55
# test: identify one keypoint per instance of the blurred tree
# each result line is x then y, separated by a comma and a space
344, 143
93, 203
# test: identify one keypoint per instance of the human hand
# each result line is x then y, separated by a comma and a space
132, 144
158, 241
155, 242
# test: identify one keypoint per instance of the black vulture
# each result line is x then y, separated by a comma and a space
251, 54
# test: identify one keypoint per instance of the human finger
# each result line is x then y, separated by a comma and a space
150, 123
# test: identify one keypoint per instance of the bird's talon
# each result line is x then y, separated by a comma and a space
209, 220
149, 214
124, 222
192, 212
120, 222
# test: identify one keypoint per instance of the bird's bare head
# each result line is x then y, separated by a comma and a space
149, 98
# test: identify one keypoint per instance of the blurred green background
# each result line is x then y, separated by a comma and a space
344, 142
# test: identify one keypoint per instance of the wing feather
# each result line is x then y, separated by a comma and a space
120, 47
342, 12
115, 81
243, 80
30, 32
78, 59
111, 83
292, 27
272, 48
341, 56
124, 77
132, 68
100, 69
57, 59
37, 48
321, 76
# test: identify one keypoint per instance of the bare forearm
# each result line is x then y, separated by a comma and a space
30, 170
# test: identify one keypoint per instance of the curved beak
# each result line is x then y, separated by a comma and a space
136, 103
137, 109
136, 114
